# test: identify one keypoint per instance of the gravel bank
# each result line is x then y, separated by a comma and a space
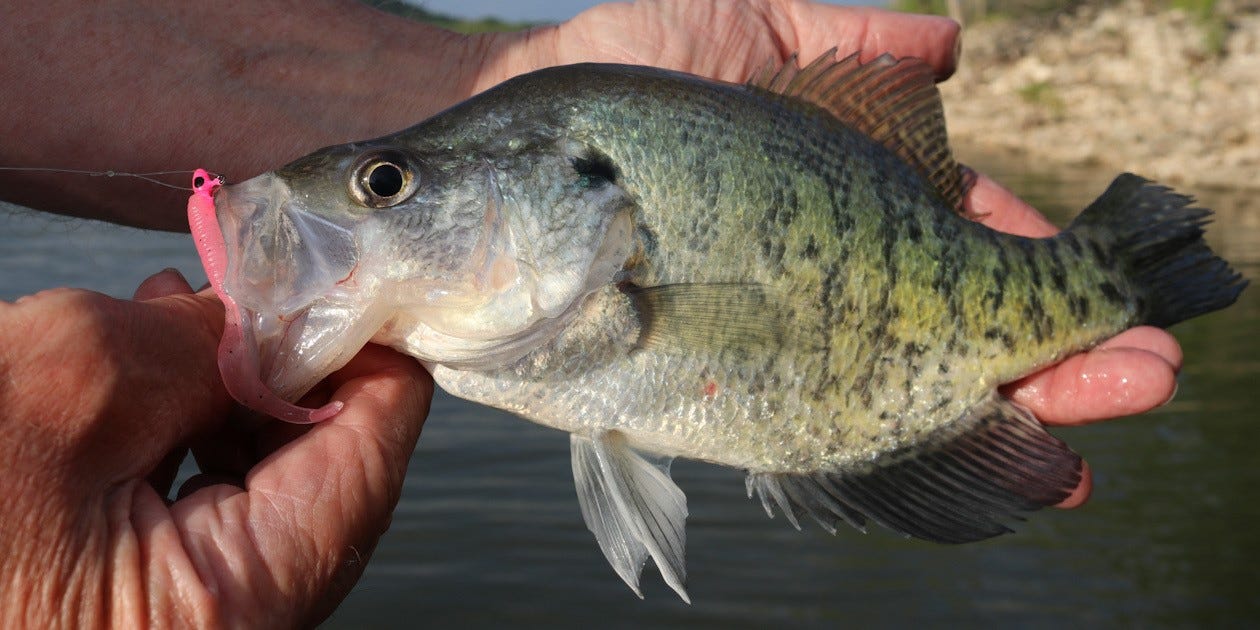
1158, 92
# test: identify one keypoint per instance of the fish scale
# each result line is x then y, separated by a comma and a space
776, 276
882, 278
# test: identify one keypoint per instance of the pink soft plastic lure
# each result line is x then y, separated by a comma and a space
241, 378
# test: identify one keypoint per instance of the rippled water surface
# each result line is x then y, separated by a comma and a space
488, 530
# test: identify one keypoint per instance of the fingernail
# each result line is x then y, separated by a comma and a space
1176, 388
171, 274
958, 47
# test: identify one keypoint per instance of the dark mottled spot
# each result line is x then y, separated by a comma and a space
914, 232
861, 386
811, 248
993, 334
942, 368
1034, 276
1110, 292
1058, 278
1052, 247
594, 169
1103, 256
997, 294
1034, 303
1080, 305
912, 350
879, 380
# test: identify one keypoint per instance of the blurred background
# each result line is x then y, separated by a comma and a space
1052, 100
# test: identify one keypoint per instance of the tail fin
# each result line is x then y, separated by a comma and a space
1157, 238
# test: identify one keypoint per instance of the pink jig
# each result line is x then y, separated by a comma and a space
238, 363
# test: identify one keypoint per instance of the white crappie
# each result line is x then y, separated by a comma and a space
772, 276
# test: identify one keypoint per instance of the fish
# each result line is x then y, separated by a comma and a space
777, 276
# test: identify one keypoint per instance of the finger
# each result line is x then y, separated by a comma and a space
319, 503
247, 437
819, 27
134, 379
161, 284
169, 281
1128, 374
999, 209
206, 480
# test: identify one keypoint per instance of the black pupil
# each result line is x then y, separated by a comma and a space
385, 180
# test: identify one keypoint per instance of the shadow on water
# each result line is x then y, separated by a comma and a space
488, 530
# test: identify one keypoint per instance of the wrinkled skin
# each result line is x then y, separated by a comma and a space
85, 538
281, 515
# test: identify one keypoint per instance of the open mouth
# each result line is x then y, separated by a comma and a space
291, 316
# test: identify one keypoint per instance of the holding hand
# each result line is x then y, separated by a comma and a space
102, 399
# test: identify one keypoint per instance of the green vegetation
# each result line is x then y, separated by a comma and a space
1201, 9
978, 10
1044, 94
1213, 25
483, 25
1206, 13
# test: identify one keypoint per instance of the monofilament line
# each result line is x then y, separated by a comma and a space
148, 177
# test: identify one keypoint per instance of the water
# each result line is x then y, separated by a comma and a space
488, 531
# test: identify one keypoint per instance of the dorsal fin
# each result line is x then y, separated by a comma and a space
895, 102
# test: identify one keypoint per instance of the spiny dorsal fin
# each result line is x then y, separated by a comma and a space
895, 102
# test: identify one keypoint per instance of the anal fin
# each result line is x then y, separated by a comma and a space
964, 484
633, 507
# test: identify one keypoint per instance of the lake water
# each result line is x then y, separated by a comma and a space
488, 531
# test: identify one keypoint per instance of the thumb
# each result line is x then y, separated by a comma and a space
163, 353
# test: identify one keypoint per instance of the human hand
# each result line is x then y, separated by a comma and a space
100, 399
720, 39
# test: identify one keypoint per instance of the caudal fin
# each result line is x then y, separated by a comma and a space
1156, 236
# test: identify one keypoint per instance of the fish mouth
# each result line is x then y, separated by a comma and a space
296, 308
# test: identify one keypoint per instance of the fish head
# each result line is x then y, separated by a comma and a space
463, 255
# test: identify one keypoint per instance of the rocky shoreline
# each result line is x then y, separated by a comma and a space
1157, 91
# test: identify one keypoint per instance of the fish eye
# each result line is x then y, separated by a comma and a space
383, 180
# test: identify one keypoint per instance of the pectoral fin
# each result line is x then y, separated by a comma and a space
965, 484
710, 317
632, 506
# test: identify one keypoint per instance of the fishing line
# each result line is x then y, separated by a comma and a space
148, 177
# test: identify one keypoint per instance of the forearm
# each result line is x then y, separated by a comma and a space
149, 85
